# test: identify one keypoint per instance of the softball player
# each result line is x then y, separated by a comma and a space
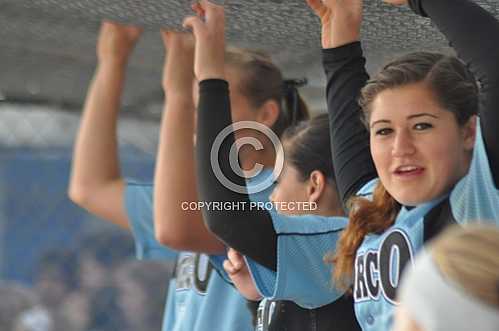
262, 235
434, 153
307, 176
199, 299
453, 284
437, 162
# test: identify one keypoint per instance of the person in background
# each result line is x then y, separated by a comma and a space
277, 244
307, 176
96, 183
454, 283
142, 291
21, 309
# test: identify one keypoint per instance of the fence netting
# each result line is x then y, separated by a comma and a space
59, 265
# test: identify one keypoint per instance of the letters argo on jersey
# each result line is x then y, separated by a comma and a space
377, 272
193, 271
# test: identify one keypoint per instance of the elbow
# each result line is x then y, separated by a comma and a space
170, 237
167, 239
79, 194
175, 242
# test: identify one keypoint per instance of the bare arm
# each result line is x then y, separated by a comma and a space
340, 20
175, 180
96, 183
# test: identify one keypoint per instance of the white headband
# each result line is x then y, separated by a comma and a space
438, 305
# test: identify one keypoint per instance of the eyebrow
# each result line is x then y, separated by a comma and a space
421, 114
408, 117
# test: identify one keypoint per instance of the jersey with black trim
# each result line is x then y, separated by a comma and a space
300, 295
381, 259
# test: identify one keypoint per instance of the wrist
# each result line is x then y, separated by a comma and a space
110, 73
211, 75
352, 18
213, 72
179, 99
114, 63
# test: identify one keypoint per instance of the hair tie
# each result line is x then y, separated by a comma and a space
296, 83
292, 97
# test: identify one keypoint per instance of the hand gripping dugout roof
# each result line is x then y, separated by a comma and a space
48, 46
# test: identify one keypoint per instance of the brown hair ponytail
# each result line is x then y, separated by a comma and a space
262, 80
365, 217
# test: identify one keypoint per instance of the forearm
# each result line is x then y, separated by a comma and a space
95, 159
176, 226
96, 182
473, 32
248, 231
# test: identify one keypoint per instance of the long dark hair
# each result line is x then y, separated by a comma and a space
307, 147
456, 90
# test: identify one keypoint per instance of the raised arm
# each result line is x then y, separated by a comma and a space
344, 65
474, 34
96, 183
250, 231
175, 180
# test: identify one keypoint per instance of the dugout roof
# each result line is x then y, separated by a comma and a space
48, 46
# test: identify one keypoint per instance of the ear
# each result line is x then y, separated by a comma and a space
469, 133
268, 113
316, 186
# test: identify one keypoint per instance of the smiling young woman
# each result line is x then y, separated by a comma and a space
436, 162
419, 146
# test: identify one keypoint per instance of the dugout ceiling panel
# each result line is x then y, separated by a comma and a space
48, 46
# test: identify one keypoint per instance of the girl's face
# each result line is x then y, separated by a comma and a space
419, 150
289, 190
315, 195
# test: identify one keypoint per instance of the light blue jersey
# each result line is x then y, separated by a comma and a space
199, 299
381, 258
302, 276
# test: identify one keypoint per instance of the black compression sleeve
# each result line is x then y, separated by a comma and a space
346, 75
249, 231
474, 34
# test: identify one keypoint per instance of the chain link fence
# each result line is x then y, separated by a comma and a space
81, 269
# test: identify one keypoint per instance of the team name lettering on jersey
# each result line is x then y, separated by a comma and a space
377, 272
193, 271
264, 314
